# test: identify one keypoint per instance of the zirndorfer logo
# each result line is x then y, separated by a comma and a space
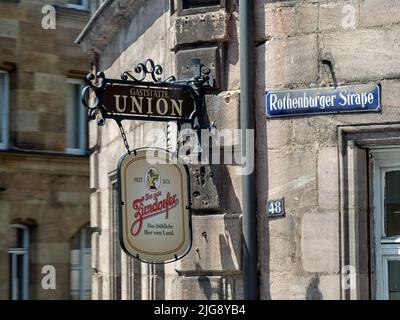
152, 179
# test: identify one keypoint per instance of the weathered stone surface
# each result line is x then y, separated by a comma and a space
286, 286
69, 197
8, 28
339, 15
95, 209
31, 183
49, 253
379, 12
45, 82
223, 110
209, 26
279, 133
328, 182
329, 285
281, 252
295, 61
356, 56
28, 121
216, 244
61, 292
284, 19
320, 242
232, 187
205, 181
293, 177
8, 50
97, 286
202, 288
210, 57
390, 93
232, 59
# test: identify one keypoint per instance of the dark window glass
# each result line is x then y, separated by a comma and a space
80, 257
392, 203
394, 280
199, 3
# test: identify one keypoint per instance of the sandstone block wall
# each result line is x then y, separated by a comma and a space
299, 156
49, 191
165, 34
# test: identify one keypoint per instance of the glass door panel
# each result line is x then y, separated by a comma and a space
392, 203
394, 279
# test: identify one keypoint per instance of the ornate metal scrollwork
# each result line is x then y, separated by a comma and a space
143, 70
94, 83
143, 74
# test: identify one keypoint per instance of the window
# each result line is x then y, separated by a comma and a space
115, 246
187, 4
81, 276
4, 107
18, 255
387, 223
78, 4
76, 120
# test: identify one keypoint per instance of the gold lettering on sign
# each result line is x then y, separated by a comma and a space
158, 106
176, 107
117, 105
149, 105
139, 106
146, 101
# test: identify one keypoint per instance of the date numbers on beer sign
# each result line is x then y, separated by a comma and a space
275, 208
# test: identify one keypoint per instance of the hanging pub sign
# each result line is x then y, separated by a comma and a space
147, 101
154, 208
356, 98
153, 185
134, 98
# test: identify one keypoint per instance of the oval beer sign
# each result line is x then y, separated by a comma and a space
154, 208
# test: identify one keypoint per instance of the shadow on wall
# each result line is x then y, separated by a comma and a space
313, 292
220, 292
147, 14
226, 253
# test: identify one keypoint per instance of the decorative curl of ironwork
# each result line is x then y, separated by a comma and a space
143, 70
97, 84
203, 77
94, 84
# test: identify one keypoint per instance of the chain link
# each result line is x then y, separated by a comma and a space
121, 129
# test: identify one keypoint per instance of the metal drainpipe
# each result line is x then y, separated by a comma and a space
247, 121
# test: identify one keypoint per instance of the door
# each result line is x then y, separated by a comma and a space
387, 223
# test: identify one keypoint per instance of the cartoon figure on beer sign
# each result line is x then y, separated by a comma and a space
155, 221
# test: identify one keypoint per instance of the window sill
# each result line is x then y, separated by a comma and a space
17, 151
68, 12
76, 152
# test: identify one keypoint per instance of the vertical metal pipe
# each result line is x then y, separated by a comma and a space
247, 121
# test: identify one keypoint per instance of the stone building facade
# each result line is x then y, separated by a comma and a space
338, 173
44, 164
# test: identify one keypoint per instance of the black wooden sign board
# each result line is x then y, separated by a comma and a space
148, 101
136, 99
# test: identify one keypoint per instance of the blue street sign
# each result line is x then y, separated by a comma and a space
357, 98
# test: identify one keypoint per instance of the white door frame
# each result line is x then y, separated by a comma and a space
386, 249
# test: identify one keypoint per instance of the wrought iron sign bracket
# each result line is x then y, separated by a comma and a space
136, 97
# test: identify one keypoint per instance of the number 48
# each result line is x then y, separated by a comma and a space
275, 207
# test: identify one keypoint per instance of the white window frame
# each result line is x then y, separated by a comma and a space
13, 253
83, 6
386, 248
83, 250
116, 269
4, 111
82, 150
